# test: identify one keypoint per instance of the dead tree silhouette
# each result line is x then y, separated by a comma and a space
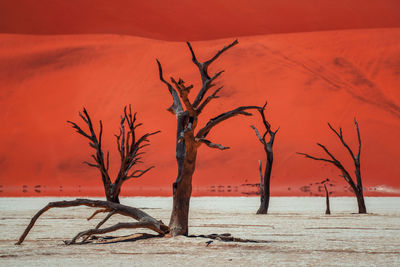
129, 148
265, 180
187, 140
356, 185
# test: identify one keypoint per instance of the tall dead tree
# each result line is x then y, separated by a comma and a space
356, 185
129, 147
265, 180
187, 140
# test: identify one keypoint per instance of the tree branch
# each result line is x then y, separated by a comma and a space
210, 144
262, 140
177, 105
132, 212
207, 100
203, 68
340, 136
202, 133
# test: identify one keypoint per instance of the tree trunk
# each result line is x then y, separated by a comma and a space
328, 208
113, 198
182, 190
267, 181
360, 201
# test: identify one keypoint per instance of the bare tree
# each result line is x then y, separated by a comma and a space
356, 185
129, 147
187, 140
265, 180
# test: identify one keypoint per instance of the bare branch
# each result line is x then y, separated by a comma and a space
202, 133
210, 144
340, 136
203, 68
207, 100
91, 164
208, 62
262, 140
359, 139
177, 105
97, 212
314, 158
329, 153
184, 94
138, 173
140, 224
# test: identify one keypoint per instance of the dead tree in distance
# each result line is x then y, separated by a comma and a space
187, 140
356, 185
328, 206
265, 180
129, 147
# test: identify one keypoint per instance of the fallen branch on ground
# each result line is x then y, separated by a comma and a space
144, 220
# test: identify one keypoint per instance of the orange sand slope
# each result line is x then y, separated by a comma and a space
308, 79
182, 20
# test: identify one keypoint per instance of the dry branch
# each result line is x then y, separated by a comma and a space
129, 147
146, 220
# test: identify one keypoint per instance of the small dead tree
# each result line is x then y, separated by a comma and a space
129, 147
187, 140
356, 185
328, 207
265, 180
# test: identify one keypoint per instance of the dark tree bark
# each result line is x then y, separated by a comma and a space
356, 185
144, 220
187, 140
266, 179
129, 147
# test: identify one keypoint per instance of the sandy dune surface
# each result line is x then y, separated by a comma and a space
307, 78
295, 233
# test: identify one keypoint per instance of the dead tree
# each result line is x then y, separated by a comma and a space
129, 147
356, 185
187, 140
265, 180
328, 207
144, 220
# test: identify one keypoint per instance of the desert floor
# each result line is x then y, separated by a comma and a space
295, 233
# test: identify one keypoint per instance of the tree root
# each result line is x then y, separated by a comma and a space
144, 220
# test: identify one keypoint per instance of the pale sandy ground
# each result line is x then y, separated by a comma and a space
297, 233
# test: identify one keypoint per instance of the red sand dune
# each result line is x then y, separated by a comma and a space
181, 20
308, 78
